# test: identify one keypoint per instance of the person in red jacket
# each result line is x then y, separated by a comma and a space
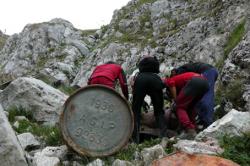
107, 74
186, 90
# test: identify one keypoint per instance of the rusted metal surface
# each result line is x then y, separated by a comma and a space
184, 159
96, 121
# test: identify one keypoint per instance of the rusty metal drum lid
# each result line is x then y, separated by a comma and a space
96, 121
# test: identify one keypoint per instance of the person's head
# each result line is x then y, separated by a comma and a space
173, 72
110, 62
149, 64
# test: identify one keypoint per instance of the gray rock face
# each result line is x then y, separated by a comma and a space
246, 97
59, 152
150, 154
96, 162
27, 140
42, 160
237, 68
42, 100
118, 162
39, 48
11, 152
234, 123
210, 147
115, 52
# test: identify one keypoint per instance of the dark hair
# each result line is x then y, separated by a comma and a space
110, 62
149, 64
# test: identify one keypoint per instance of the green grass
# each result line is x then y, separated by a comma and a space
236, 149
141, 2
88, 32
232, 92
51, 135
18, 111
2, 41
235, 37
233, 40
67, 89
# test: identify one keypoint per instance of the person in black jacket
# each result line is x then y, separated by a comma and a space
147, 82
205, 106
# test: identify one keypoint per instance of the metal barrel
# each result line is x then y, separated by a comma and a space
96, 121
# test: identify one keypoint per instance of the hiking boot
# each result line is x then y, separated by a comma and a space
189, 134
169, 133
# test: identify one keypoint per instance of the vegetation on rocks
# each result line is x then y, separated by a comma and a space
237, 149
2, 41
128, 152
235, 37
233, 40
232, 92
50, 135
88, 32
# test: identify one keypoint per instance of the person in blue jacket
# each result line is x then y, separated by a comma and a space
205, 106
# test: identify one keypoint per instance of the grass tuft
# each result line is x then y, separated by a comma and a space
235, 37
236, 148
19, 111
50, 135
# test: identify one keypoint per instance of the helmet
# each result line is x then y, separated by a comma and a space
167, 71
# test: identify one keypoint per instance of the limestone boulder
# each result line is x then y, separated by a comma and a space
43, 101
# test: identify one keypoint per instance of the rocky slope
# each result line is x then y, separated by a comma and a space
176, 31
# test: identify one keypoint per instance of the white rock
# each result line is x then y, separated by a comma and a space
234, 123
27, 140
19, 118
210, 147
152, 153
41, 160
118, 162
31, 94
96, 162
11, 152
59, 152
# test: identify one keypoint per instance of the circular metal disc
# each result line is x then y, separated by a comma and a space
96, 121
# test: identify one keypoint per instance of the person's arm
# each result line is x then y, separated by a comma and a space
123, 84
173, 92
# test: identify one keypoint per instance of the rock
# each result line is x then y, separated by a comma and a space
59, 152
41, 160
28, 141
11, 152
210, 147
118, 162
19, 118
16, 124
246, 97
150, 154
32, 94
96, 162
41, 46
234, 123
181, 158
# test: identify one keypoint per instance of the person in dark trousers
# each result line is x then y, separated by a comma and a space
205, 106
186, 90
107, 74
147, 82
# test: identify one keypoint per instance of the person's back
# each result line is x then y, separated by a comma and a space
110, 71
147, 82
206, 104
107, 74
196, 67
